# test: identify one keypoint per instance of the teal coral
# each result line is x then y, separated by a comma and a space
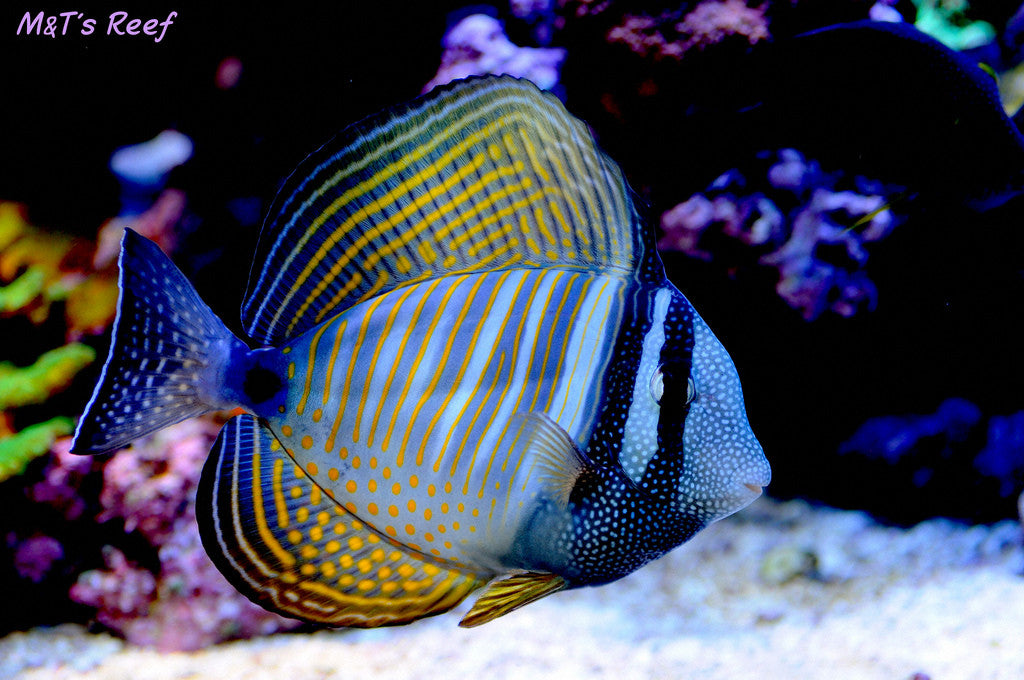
18, 450
948, 21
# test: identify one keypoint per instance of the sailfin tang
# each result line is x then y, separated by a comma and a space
506, 595
484, 174
559, 460
167, 351
288, 546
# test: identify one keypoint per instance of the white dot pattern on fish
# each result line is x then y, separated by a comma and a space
156, 369
640, 436
717, 426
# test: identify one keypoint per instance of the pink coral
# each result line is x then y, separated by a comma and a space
121, 591
151, 484
62, 480
156, 223
711, 22
671, 34
188, 604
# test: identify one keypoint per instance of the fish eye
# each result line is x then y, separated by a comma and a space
658, 385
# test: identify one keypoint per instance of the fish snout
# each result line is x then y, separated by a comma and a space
752, 479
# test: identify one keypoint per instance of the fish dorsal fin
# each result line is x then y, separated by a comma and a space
506, 595
483, 174
289, 547
558, 458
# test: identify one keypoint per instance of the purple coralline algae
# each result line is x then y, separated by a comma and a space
187, 604
34, 557
63, 477
798, 221
477, 45
154, 482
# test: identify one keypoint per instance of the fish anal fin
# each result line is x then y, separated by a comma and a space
561, 462
506, 595
290, 548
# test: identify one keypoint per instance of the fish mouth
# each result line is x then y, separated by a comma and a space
755, 488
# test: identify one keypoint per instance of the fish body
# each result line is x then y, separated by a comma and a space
469, 367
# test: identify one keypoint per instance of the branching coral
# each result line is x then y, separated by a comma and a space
796, 220
158, 586
40, 272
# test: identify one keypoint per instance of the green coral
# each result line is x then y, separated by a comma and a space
17, 450
51, 373
21, 292
948, 21
38, 269
21, 386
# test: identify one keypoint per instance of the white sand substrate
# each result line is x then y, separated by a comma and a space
783, 590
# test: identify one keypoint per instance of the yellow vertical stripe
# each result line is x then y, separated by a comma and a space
310, 369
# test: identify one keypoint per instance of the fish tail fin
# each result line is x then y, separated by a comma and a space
167, 359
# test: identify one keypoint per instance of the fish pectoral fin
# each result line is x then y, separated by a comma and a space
288, 546
506, 595
562, 465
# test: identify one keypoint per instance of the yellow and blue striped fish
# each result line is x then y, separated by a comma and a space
469, 370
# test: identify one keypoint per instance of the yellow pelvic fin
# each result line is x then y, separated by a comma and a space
511, 593
559, 459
